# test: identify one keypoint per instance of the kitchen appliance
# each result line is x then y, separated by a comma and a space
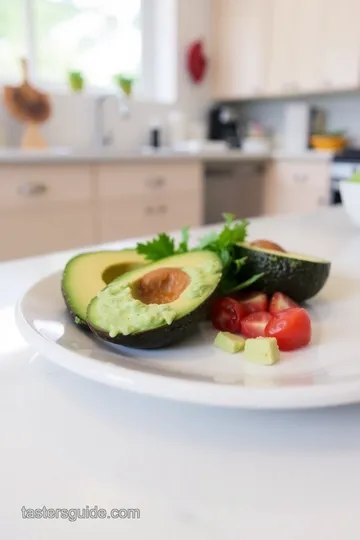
223, 125
301, 122
343, 166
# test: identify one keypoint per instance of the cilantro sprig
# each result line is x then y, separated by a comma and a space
223, 244
164, 246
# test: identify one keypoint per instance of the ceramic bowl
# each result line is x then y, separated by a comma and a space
350, 196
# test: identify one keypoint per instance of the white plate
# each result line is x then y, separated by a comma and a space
326, 373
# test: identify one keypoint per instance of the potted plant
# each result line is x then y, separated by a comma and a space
76, 81
125, 83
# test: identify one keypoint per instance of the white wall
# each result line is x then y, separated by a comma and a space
72, 122
343, 113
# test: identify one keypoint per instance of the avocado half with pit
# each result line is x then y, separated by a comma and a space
298, 276
86, 274
158, 305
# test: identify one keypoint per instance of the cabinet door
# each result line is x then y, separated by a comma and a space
240, 47
294, 46
133, 217
296, 187
339, 45
45, 208
24, 233
139, 200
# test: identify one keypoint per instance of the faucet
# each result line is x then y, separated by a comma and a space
102, 139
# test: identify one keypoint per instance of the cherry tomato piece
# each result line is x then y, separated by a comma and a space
253, 301
291, 328
254, 325
280, 302
226, 314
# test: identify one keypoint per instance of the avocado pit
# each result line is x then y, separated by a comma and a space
161, 286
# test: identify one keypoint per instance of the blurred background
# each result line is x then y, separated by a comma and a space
123, 118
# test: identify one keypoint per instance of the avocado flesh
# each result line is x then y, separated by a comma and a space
86, 274
295, 275
126, 313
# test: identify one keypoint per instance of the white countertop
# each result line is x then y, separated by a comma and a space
194, 472
66, 155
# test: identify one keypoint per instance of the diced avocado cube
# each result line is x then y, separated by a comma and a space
229, 342
262, 351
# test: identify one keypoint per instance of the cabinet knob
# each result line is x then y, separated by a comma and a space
29, 189
148, 210
155, 183
300, 178
162, 209
322, 201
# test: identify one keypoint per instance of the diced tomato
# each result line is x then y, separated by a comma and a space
254, 325
280, 302
253, 301
291, 328
226, 314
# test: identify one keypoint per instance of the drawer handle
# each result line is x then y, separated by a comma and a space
27, 190
162, 209
154, 183
300, 178
322, 201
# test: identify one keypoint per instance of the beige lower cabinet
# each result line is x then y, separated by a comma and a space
293, 186
141, 199
45, 208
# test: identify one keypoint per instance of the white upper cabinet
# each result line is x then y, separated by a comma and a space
240, 48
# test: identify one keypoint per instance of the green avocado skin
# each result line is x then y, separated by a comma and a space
162, 337
299, 279
75, 318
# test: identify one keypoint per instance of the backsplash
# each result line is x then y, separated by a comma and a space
342, 112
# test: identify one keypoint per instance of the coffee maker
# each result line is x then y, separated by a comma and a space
223, 125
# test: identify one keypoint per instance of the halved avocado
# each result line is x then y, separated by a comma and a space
158, 305
88, 273
298, 276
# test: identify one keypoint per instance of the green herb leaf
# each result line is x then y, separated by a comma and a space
225, 257
207, 240
184, 244
228, 217
162, 246
239, 287
239, 263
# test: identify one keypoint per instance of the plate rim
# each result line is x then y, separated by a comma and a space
184, 390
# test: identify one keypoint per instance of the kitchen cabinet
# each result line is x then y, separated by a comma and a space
296, 186
294, 46
338, 45
142, 199
45, 208
240, 52
274, 48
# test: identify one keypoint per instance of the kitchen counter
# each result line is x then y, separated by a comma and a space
66, 155
194, 472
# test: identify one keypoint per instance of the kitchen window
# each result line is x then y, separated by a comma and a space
100, 38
